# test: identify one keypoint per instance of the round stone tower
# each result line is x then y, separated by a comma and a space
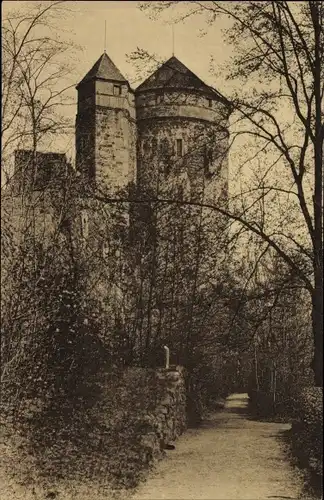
182, 135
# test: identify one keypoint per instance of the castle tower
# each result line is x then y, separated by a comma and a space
182, 133
182, 152
105, 127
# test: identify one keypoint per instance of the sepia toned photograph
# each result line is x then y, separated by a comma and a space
162, 250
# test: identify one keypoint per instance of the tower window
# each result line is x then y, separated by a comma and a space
117, 90
82, 143
210, 103
84, 224
105, 250
159, 98
167, 169
180, 192
179, 147
208, 161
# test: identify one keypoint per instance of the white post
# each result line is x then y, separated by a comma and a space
167, 357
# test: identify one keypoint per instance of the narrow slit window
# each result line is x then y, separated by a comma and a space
179, 147
105, 250
210, 103
117, 90
84, 224
208, 162
83, 143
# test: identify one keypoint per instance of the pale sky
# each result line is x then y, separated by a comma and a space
127, 27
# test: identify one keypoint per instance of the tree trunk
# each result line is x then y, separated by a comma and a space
317, 319
256, 369
317, 296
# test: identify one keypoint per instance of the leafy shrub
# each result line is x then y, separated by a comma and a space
307, 429
99, 440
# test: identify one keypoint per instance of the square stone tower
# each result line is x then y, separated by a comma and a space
105, 128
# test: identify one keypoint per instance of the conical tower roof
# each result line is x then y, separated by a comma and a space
104, 69
173, 74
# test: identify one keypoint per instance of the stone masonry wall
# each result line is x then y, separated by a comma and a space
168, 419
106, 134
115, 160
203, 162
115, 148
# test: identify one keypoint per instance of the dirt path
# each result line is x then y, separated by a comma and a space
231, 457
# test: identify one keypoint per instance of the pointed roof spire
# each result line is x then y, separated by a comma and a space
173, 74
103, 69
105, 36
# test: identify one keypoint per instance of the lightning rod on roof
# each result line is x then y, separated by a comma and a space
105, 36
172, 39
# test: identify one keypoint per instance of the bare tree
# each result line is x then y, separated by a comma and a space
279, 53
36, 67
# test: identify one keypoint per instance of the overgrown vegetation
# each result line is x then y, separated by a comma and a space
277, 202
82, 441
277, 198
85, 301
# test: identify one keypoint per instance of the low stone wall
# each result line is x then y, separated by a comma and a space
167, 418
114, 441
